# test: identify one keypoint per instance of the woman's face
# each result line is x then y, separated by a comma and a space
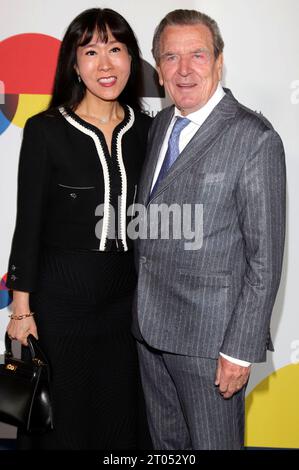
104, 67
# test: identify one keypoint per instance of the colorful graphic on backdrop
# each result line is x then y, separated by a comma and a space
27, 68
5, 297
272, 412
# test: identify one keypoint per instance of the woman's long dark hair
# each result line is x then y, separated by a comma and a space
67, 90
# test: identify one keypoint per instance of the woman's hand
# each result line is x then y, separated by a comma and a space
20, 329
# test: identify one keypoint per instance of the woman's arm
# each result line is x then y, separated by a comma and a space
33, 191
33, 187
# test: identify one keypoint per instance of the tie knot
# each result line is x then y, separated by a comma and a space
173, 150
180, 124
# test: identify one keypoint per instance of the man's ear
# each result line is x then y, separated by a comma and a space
219, 66
161, 81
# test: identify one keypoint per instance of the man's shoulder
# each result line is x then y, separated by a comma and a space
165, 113
245, 115
162, 118
253, 126
255, 117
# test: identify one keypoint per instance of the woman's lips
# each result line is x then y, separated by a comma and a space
107, 81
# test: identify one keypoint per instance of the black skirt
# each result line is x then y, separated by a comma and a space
83, 315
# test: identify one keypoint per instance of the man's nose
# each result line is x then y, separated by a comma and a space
184, 66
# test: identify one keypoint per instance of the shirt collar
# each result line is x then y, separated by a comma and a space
199, 116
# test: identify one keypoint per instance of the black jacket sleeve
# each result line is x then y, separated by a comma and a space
33, 183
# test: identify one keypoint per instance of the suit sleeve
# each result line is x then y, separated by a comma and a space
260, 197
33, 184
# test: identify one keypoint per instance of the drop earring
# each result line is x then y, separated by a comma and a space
79, 78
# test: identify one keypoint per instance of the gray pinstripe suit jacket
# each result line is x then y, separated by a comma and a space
219, 297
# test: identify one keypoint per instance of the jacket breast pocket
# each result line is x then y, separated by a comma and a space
77, 203
207, 188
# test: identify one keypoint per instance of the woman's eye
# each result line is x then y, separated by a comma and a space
91, 52
115, 49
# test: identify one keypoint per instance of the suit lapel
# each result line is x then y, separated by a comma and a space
198, 146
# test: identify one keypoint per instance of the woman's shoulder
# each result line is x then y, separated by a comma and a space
43, 120
143, 120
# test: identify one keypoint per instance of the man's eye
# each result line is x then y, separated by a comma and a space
202, 57
171, 58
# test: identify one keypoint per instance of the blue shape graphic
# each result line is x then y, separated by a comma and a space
4, 122
5, 299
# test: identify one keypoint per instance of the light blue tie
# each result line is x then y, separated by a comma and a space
173, 150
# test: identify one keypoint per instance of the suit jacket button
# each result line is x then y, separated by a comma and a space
13, 268
73, 195
13, 277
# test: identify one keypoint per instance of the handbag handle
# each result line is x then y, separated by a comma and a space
36, 352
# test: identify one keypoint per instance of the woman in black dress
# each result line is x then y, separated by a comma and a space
71, 261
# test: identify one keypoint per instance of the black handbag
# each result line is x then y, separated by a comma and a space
24, 389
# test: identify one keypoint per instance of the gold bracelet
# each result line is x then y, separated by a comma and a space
20, 317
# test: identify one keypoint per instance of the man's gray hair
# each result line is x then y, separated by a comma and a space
186, 18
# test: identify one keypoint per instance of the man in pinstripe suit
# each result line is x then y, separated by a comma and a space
203, 312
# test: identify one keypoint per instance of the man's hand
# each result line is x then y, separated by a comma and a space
230, 377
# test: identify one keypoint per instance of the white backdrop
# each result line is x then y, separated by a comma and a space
261, 68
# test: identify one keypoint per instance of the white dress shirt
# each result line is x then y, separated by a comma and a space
196, 120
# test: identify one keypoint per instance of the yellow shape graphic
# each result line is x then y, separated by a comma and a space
272, 410
29, 105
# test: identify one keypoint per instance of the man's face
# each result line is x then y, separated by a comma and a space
187, 67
